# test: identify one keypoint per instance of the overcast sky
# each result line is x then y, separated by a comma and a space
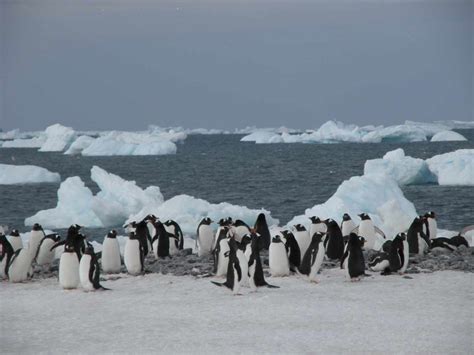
116, 64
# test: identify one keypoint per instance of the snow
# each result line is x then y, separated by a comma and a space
58, 138
26, 174
447, 136
404, 169
454, 168
192, 315
81, 143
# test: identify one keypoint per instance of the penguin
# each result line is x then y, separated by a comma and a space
334, 242
141, 231
261, 228
161, 241
75, 239
256, 278
15, 240
133, 255
317, 226
223, 225
36, 236
220, 253
6, 253
302, 238
150, 219
450, 244
347, 226
173, 228
89, 271
69, 268
205, 237
432, 229
293, 250
398, 255
241, 228
243, 260
418, 241
234, 271
355, 265
111, 261
45, 255
367, 231
16, 265
313, 258
386, 246
379, 262
458, 240
278, 258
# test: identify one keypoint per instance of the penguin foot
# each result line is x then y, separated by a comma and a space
315, 281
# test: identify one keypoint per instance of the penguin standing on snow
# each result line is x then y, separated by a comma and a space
302, 238
418, 241
334, 242
111, 261
261, 228
133, 255
432, 225
220, 253
161, 241
15, 240
16, 266
205, 237
143, 235
367, 231
74, 239
36, 236
317, 226
174, 228
347, 226
278, 258
89, 271
313, 258
293, 250
69, 268
398, 255
355, 265
256, 278
45, 256
234, 272
6, 254
243, 260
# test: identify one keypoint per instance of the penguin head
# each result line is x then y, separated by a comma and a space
223, 222
401, 236
246, 239
206, 220
14, 233
362, 241
299, 227
229, 220
317, 237
132, 235
37, 227
364, 216
69, 248
74, 229
112, 234
89, 249
330, 222
150, 218
346, 217
277, 239
315, 219
430, 214
261, 218
354, 239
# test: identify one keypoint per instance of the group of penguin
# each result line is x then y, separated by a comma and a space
235, 248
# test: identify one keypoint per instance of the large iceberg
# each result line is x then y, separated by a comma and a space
447, 136
79, 145
26, 174
454, 168
405, 170
375, 194
58, 138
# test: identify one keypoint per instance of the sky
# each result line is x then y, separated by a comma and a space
116, 64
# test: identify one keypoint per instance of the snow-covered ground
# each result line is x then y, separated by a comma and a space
428, 313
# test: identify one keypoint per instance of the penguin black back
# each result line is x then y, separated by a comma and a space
310, 255
254, 260
396, 256
261, 228
416, 228
215, 253
356, 264
6, 251
179, 233
143, 234
163, 239
293, 249
94, 268
334, 240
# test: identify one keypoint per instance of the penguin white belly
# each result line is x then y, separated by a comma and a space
155, 249
84, 267
433, 227
35, 241
244, 267
252, 284
422, 246
3, 265
151, 229
69, 271
236, 288
15, 242
317, 228
248, 251
405, 257
317, 263
347, 227
223, 260
173, 248
367, 230
205, 240
346, 265
20, 269
303, 239
278, 260
111, 262
381, 266
45, 254
131, 257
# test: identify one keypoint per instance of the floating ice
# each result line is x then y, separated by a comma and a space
35, 142
79, 145
447, 136
454, 168
58, 138
26, 174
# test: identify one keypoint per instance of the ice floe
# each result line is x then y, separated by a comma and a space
26, 174
58, 138
454, 168
447, 136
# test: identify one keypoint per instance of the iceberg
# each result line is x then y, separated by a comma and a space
447, 136
399, 133
454, 168
35, 142
405, 170
262, 137
58, 138
81, 143
26, 174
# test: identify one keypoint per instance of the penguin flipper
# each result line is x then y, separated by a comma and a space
346, 253
218, 283
379, 231
272, 286
98, 255
61, 242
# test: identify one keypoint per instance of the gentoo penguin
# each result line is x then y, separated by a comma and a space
133, 255
15, 240
143, 235
241, 228
367, 231
432, 225
398, 255
380, 261
6, 254
174, 228
150, 219
302, 238
458, 240
161, 241
223, 225
355, 265
234, 272
243, 260
293, 250
278, 258
89, 271
205, 237
334, 242
221, 253
74, 238
17, 265
69, 268
317, 226
449, 243
45, 255
111, 261
418, 241
261, 228
36, 236
347, 226
256, 278
313, 258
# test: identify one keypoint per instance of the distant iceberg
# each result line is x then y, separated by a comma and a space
35, 142
58, 138
26, 174
79, 145
454, 168
447, 136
